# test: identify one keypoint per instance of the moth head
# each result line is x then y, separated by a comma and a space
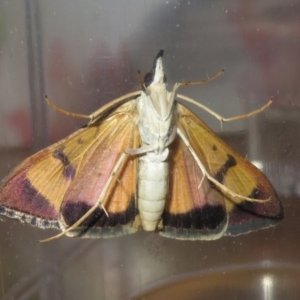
157, 74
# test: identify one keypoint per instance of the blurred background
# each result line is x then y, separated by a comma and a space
83, 54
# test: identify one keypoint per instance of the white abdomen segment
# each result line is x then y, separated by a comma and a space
153, 181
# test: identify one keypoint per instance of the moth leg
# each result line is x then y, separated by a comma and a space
65, 112
203, 177
97, 114
219, 117
141, 150
147, 148
97, 203
211, 178
188, 83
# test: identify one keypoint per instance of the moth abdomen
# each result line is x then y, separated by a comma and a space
153, 185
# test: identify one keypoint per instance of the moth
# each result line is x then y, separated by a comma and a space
144, 161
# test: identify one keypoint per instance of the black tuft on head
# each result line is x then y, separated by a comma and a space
159, 54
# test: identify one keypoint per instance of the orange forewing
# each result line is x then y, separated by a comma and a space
45, 188
229, 168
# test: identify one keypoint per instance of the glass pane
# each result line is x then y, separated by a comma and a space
83, 54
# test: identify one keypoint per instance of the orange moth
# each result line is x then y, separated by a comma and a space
144, 161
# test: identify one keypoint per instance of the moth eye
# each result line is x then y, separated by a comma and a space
148, 78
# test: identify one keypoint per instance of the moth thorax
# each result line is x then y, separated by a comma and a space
153, 184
